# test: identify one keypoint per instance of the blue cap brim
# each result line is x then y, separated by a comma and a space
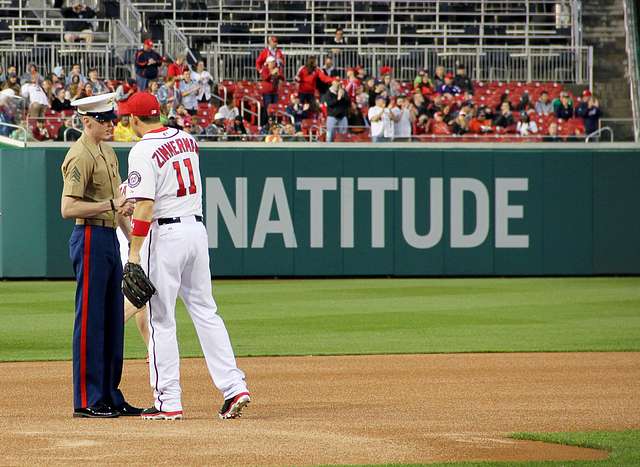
102, 116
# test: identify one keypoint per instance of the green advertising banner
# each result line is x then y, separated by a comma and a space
322, 211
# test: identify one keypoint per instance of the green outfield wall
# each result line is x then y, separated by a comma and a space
331, 211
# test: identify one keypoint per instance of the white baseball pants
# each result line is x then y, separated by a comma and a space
176, 258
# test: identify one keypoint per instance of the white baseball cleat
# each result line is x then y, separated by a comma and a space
154, 414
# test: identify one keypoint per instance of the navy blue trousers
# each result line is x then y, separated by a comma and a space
98, 331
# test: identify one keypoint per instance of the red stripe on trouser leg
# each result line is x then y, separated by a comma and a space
85, 314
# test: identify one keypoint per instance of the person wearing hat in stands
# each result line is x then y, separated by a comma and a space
564, 109
91, 196
448, 88
147, 63
271, 50
589, 111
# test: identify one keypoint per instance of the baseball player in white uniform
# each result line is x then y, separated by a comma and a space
169, 241
129, 309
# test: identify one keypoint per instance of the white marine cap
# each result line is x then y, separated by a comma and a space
100, 107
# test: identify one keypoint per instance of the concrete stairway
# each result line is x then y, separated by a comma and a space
603, 28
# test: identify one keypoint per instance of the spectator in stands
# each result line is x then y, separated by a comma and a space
86, 90
462, 80
526, 126
57, 78
271, 76
328, 70
75, 71
362, 97
168, 96
298, 110
147, 63
338, 103
271, 50
338, 38
552, 135
123, 132
204, 80
420, 104
307, 77
565, 109
505, 118
183, 116
76, 29
275, 135
31, 74
12, 83
60, 103
352, 85
391, 86
216, 131
177, 68
460, 125
524, 104
289, 134
37, 97
229, 111
189, 90
376, 90
40, 132
589, 111
448, 89
67, 130
480, 124
438, 126
404, 116
97, 85
126, 89
75, 88
423, 83
438, 78
544, 106
381, 122
355, 119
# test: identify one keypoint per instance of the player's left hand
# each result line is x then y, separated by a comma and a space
136, 286
126, 209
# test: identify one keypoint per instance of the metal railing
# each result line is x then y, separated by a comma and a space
314, 21
175, 42
633, 49
505, 63
597, 133
21, 130
246, 105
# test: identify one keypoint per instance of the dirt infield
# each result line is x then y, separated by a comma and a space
333, 410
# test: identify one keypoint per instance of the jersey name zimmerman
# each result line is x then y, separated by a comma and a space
172, 148
164, 167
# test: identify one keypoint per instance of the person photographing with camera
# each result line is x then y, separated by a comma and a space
337, 108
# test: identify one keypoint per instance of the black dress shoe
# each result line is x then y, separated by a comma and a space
97, 411
127, 410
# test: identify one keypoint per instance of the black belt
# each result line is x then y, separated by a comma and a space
176, 220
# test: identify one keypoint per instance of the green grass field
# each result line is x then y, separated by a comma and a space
360, 316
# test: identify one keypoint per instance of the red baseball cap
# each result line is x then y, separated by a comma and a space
449, 75
140, 104
274, 39
148, 42
586, 93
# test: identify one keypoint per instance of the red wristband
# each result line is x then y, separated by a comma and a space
140, 228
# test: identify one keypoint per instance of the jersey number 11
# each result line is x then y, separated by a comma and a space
182, 191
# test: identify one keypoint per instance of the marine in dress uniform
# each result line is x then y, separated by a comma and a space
91, 196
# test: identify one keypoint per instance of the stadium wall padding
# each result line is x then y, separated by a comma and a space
436, 212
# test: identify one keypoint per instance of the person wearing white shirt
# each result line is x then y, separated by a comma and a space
37, 97
405, 116
229, 111
525, 126
376, 119
203, 78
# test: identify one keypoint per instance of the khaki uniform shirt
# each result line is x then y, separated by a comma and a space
91, 173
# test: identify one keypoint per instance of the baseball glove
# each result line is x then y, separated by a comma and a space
136, 286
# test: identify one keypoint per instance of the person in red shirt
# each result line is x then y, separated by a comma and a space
306, 78
352, 83
480, 124
439, 126
271, 50
271, 76
177, 68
